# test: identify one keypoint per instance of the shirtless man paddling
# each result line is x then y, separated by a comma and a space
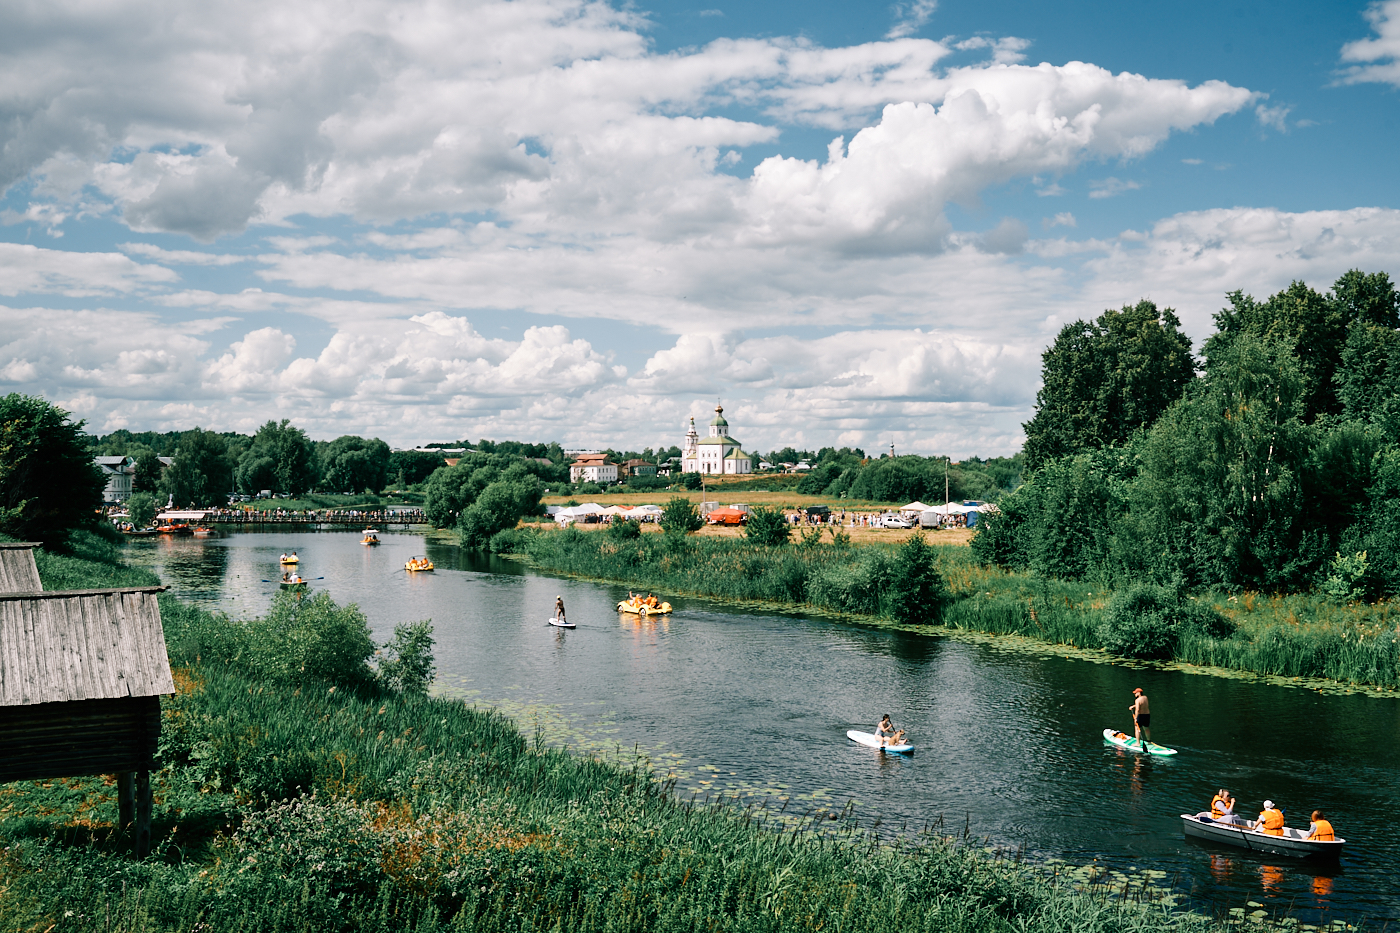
1142, 715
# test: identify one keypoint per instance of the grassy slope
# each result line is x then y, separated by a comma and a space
423, 814
1294, 636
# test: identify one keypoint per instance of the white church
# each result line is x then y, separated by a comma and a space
717, 453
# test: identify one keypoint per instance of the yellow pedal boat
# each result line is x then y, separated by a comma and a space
418, 564
291, 560
636, 607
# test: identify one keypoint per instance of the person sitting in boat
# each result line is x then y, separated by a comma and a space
885, 730
1321, 829
284, 557
1270, 821
1222, 805
651, 601
559, 609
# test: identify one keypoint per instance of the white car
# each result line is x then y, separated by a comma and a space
894, 521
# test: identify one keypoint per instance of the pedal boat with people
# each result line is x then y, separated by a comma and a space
287, 561
418, 565
371, 537
640, 607
1234, 830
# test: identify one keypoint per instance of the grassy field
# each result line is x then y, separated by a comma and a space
287, 802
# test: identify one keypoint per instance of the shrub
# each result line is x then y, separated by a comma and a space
851, 586
1146, 621
768, 527
917, 592
1346, 580
509, 541
623, 529
407, 664
681, 517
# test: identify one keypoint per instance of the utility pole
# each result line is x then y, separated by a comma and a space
946, 462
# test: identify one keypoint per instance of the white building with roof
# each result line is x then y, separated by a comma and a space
119, 472
716, 453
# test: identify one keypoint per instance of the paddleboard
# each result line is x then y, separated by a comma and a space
558, 624
866, 738
1112, 736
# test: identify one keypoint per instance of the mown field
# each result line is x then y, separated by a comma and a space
298, 792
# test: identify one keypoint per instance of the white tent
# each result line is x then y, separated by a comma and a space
915, 507
564, 516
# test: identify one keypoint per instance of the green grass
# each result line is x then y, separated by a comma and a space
298, 806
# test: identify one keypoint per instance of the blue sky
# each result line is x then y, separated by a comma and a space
560, 220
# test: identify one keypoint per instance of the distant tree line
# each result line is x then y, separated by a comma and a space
1270, 463
206, 466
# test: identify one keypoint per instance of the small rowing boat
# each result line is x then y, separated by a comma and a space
1123, 740
639, 607
1234, 831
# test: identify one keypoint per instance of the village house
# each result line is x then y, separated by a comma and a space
637, 468
118, 472
593, 468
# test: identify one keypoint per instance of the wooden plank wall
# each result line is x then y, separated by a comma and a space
18, 572
82, 645
53, 740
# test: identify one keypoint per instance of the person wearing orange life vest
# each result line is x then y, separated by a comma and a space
1270, 821
1222, 805
1321, 829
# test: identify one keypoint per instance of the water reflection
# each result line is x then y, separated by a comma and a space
755, 704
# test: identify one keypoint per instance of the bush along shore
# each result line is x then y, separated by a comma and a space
302, 788
1287, 636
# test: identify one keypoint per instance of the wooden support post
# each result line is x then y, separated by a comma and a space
126, 799
143, 814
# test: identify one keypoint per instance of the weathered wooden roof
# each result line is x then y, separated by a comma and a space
18, 572
82, 645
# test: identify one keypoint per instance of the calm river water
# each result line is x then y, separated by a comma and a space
758, 703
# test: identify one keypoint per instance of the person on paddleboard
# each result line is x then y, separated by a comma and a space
884, 730
1142, 715
559, 609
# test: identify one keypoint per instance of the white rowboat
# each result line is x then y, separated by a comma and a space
1235, 831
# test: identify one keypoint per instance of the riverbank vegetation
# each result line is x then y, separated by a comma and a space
1301, 635
301, 788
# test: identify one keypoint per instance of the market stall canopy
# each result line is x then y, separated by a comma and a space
915, 506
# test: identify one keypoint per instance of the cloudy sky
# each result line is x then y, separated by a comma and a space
856, 223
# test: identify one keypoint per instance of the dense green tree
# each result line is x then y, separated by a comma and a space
916, 592
49, 484
500, 505
354, 464
1217, 500
281, 458
141, 509
410, 467
201, 473
1104, 379
147, 472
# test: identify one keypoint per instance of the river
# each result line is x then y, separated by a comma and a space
757, 704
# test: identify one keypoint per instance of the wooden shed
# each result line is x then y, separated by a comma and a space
81, 675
